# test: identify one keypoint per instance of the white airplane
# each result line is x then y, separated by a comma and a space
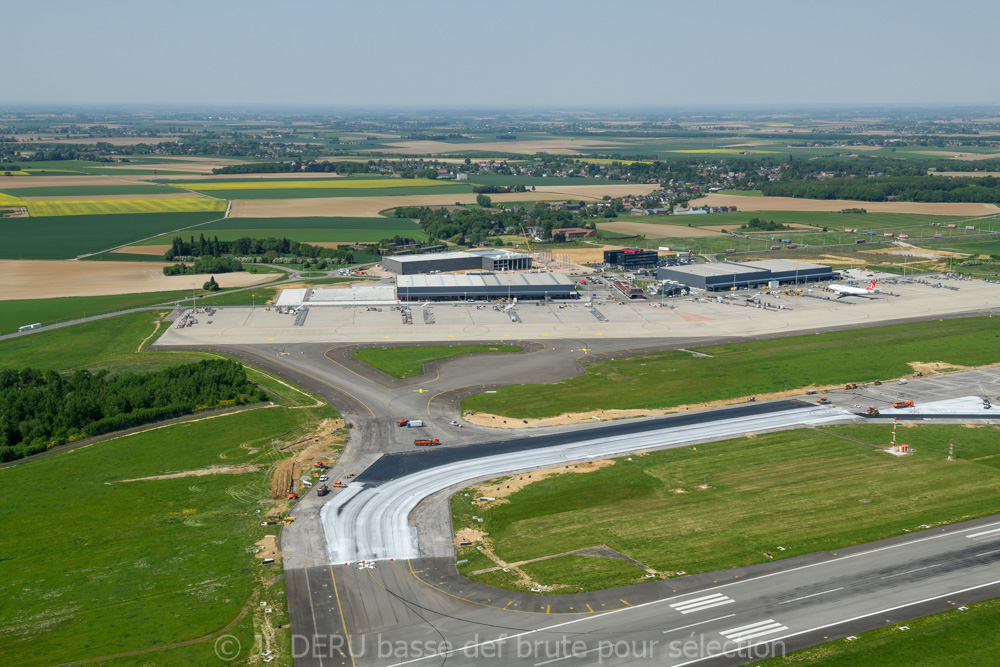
511, 305
847, 290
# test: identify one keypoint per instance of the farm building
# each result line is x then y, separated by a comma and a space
485, 286
462, 260
729, 275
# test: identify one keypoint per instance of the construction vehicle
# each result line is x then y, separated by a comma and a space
903, 404
850, 385
414, 423
287, 520
320, 464
426, 443
402, 422
323, 490
339, 485
878, 383
918, 374
823, 400
873, 411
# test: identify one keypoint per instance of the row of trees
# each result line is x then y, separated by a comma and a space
41, 409
206, 264
245, 246
903, 188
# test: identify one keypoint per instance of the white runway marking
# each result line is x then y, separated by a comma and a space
754, 630
698, 604
832, 590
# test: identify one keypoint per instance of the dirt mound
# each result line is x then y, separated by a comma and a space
215, 470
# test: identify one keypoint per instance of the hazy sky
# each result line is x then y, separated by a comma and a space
509, 53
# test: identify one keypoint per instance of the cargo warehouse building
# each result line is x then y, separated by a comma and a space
631, 259
727, 275
451, 287
463, 260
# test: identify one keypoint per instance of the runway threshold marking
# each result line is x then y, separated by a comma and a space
343, 623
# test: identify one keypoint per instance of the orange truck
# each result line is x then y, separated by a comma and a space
426, 443
903, 404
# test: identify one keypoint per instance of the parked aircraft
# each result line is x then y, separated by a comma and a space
847, 290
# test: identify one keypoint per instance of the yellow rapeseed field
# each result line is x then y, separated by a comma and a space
326, 184
8, 200
38, 209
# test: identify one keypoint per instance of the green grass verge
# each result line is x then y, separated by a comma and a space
111, 343
668, 379
66, 237
149, 562
405, 362
939, 640
723, 505
14, 314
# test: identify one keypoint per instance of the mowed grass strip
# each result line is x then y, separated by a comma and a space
39, 209
667, 379
100, 566
723, 505
405, 362
327, 184
14, 314
111, 344
949, 638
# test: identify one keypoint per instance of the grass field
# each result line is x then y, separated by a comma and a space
668, 379
111, 343
40, 209
721, 505
404, 362
66, 237
318, 184
330, 230
14, 314
528, 181
939, 640
148, 562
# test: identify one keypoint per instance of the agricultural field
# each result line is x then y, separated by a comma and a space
669, 379
66, 237
307, 230
88, 191
394, 188
528, 181
406, 362
722, 505
41, 209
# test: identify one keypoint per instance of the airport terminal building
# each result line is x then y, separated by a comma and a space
729, 275
451, 287
461, 260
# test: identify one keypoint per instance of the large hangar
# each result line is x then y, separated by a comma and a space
729, 275
461, 260
450, 287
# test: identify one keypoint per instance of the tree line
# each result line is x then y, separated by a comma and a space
901, 188
245, 246
42, 409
